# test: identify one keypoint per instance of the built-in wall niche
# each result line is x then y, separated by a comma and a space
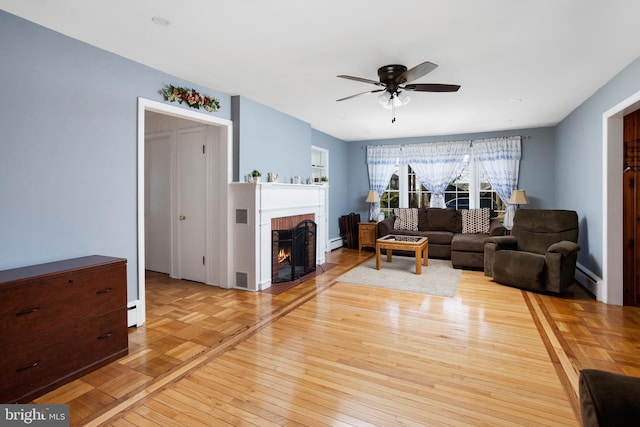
319, 163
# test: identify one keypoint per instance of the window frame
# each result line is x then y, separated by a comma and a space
475, 175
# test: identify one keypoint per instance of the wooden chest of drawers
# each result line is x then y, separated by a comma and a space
59, 321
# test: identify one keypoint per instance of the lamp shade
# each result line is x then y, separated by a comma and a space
518, 197
372, 197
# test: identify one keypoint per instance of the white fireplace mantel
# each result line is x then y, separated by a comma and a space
252, 206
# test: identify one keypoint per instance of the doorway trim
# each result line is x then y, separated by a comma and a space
222, 176
612, 288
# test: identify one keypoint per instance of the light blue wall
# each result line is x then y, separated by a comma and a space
68, 147
537, 167
270, 141
579, 162
338, 178
68, 120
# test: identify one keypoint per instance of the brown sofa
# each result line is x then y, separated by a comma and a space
444, 229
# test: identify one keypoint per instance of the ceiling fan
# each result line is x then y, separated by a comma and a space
394, 79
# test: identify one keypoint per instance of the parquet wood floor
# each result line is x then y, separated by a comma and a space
331, 353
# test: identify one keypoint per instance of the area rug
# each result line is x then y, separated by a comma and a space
438, 278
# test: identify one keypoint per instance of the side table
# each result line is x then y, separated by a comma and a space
367, 234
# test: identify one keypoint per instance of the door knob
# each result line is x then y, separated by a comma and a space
182, 217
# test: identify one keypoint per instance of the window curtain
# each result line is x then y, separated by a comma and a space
381, 161
436, 165
500, 158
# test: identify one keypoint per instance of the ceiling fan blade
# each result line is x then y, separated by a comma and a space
360, 79
432, 87
416, 72
363, 93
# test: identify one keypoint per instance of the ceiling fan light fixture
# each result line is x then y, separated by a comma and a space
393, 79
389, 101
403, 98
383, 99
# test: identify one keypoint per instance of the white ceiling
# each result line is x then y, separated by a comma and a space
551, 55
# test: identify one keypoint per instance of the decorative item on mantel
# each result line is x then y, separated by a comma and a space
272, 177
191, 97
254, 176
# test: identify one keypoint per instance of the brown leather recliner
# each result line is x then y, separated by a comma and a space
539, 255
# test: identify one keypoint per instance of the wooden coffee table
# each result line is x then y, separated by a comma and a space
417, 244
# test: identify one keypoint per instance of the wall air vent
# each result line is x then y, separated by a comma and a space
242, 216
242, 280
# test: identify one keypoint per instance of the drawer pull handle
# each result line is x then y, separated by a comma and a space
33, 365
104, 291
28, 311
70, 280
105, 336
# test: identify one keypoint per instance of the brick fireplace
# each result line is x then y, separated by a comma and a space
293, 252
260, 208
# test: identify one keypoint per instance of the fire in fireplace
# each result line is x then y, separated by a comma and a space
284, 256
293, 252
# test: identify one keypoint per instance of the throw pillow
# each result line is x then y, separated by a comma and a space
406, 219
476, 220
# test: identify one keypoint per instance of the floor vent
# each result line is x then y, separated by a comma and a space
242, 280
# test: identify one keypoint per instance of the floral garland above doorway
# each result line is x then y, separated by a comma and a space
191, 97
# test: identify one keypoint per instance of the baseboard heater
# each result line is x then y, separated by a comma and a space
588, 279
335, 243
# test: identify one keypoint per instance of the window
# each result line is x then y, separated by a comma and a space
391, 197
405, 190
457, 193
489, 197
419, 196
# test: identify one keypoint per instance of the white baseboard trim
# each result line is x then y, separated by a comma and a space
132, 313
335, 243
589, 280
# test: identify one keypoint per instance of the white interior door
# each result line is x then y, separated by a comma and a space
191, 204
157, 199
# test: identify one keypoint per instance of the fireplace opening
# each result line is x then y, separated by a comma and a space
293, 252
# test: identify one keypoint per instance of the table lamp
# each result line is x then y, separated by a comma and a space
372, 197
518, 197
